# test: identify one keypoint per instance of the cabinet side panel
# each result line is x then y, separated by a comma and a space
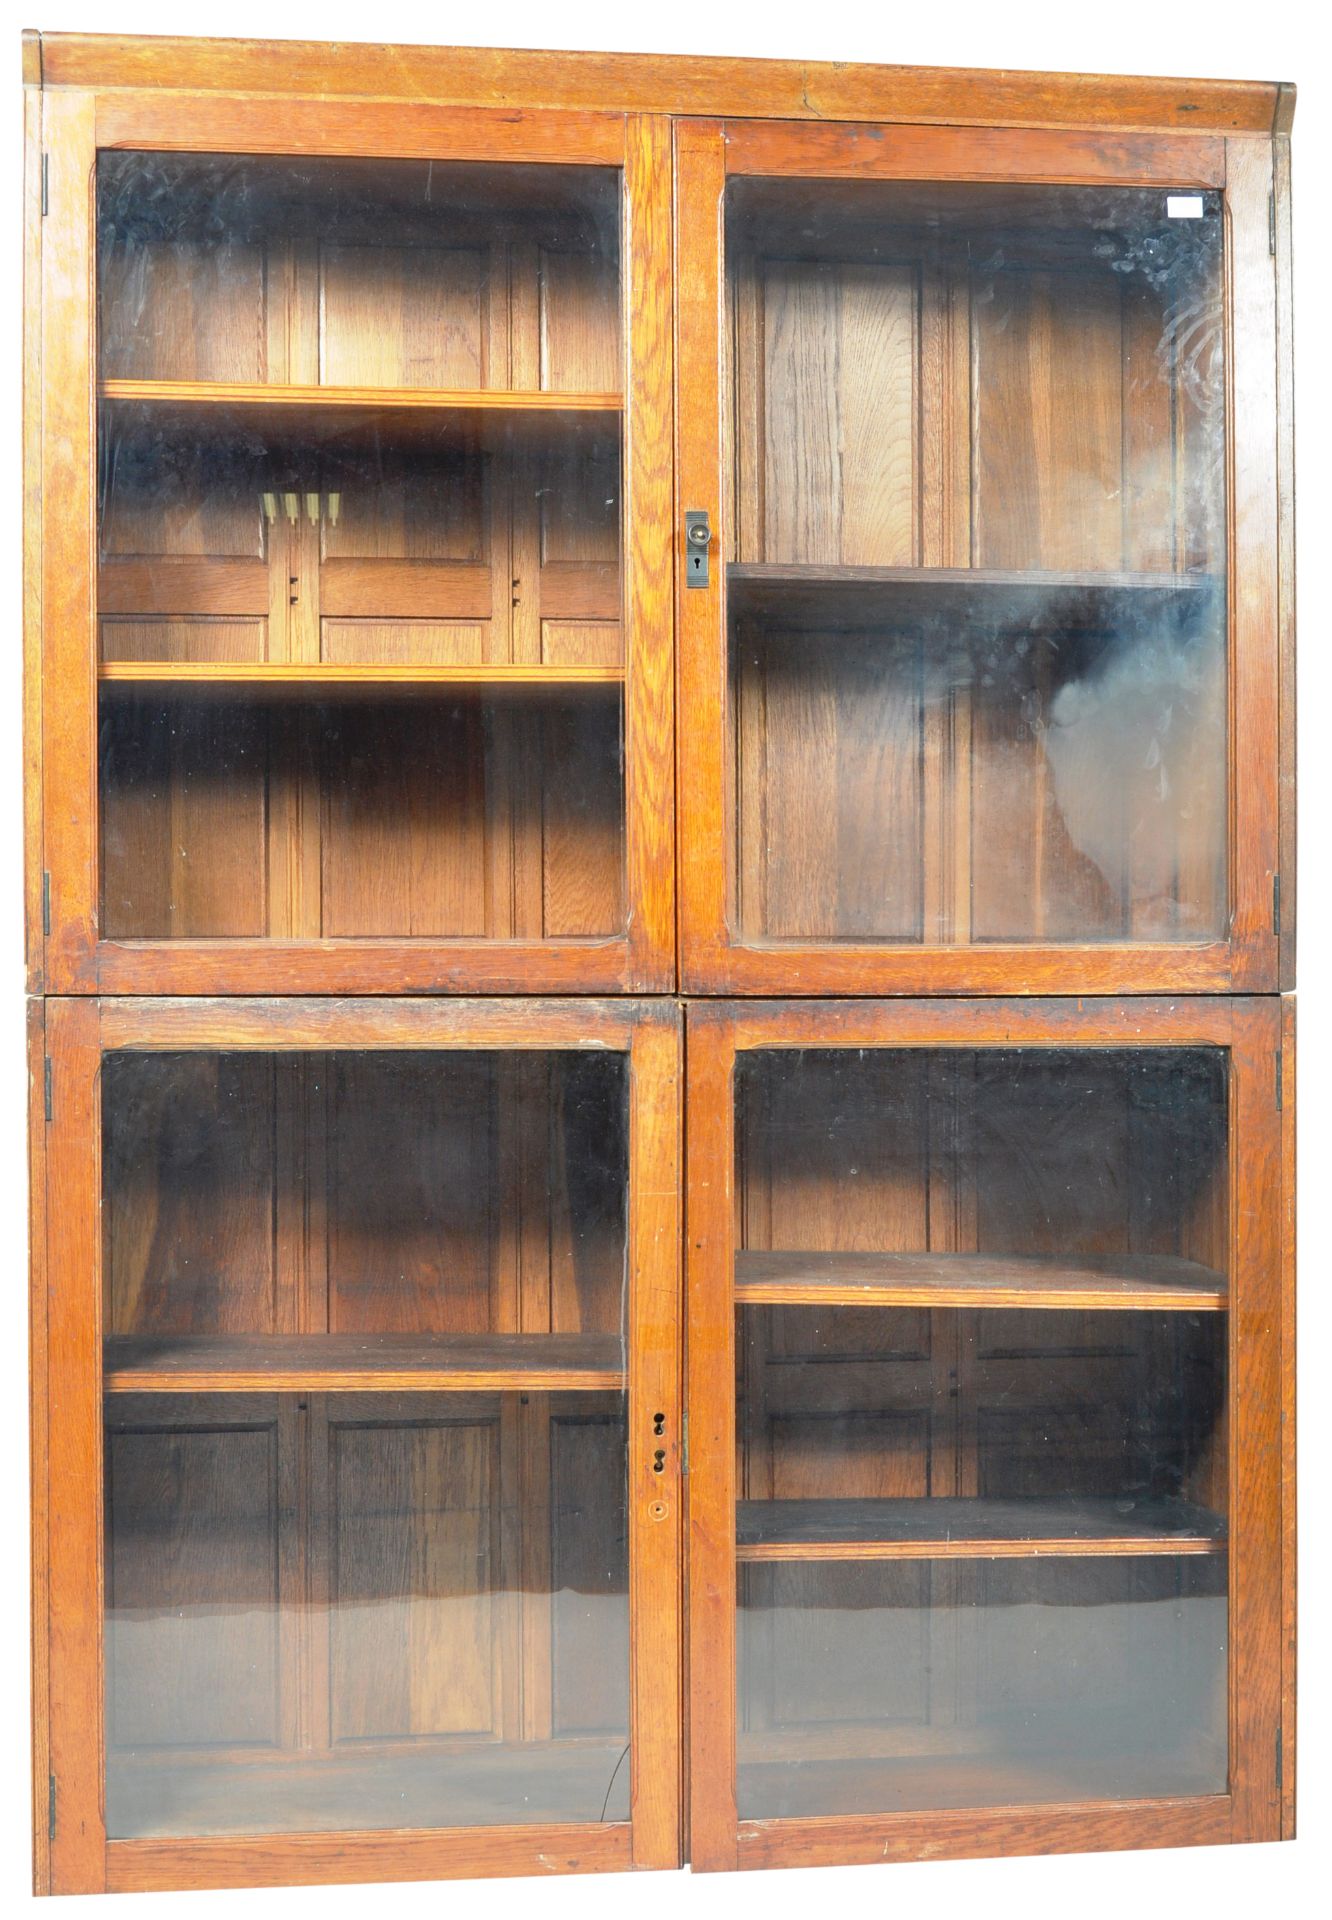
38, 1399
1286, 551
32, 536
73, 1177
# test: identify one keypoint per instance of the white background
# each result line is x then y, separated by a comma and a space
1273, 41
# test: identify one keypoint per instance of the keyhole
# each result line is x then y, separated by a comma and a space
659, 1460
659, 1423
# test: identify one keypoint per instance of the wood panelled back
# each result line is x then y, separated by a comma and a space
1035, 1154
359, 273
933, 380
346, 1574
391, 1567
364, 1193
432, 817
935, 377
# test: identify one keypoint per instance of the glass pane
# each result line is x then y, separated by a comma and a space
366, 1556
359, 587
981, 1430
976, 590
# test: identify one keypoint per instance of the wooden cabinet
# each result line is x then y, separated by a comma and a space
543, 565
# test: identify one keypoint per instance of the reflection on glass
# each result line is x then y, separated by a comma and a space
366, 1527
981, 1434
328, 461
897, 1688
976, 593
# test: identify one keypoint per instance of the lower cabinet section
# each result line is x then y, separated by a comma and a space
364, 1451
376, 1462
986, 1532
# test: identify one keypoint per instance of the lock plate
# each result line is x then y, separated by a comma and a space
698, 538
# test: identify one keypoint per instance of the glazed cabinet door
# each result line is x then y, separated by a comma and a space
986, 1350
981, 661
363, 1439
358, 656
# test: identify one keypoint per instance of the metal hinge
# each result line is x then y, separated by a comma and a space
1271, 224
1276, 903
46, 1084
684, 1444
50, 1806
1280, 1759
46, 184
1279, 1071
46, 904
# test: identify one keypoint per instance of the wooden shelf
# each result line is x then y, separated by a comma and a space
971, 1529
1157, 1283
199, 396
315, 677
801, 596
361, 1363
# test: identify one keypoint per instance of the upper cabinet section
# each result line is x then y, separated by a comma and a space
379, 631
976, 683
368, 428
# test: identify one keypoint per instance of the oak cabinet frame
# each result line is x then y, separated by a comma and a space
678, 986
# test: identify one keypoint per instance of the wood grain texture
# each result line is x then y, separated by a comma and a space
69, 807
1107, 1826
1256, 1446
331, 1023
320, 1859
700, 618
971, 1529
961, 153
650, 83
1289, 1486
657, 1513
297, 676
206, 120
1093, 1021
365, 1363
1108, 1283
712, 1472
273, 401
73, 1311
38, 1431
1286, 598
648, 545
33, 454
